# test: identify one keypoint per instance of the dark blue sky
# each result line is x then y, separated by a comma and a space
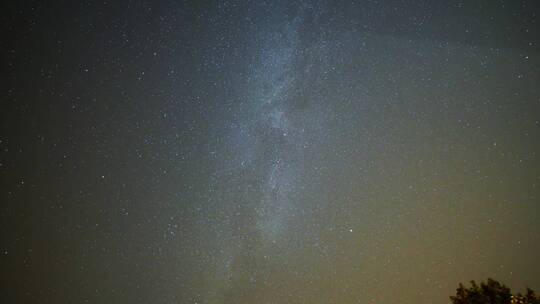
267, 151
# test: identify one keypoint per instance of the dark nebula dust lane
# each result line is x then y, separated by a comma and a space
267, 151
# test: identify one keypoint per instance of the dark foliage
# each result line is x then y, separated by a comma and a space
492, 292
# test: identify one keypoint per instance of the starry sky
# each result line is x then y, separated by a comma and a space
267, 151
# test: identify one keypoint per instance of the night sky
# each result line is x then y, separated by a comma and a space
267, 151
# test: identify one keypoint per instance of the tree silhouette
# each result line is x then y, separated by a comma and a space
491, 292
529, 298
